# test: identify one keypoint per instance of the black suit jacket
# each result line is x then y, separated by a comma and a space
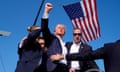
84, 65
52, 43
110, 54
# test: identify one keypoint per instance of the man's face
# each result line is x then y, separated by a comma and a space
60, 30
41, 42
77, 35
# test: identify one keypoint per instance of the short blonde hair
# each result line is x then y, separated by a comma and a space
58, 26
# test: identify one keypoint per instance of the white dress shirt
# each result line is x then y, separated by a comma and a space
64, 50
75, 49
45, 16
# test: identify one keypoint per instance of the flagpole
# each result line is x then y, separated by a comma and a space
38, 12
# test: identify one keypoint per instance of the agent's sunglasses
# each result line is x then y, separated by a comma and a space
79, 34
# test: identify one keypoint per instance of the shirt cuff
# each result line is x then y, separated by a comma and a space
45, 16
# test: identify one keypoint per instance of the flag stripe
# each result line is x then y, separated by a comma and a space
75, 24
93, 13
92, 24
85, 38
96, 17
83, 25
87, 20
84, 16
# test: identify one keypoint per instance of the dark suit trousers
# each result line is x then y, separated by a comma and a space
61, 68
40, 69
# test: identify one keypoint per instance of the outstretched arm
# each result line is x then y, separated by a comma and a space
97, 54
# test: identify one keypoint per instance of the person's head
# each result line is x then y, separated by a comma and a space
77, 34
59, 30
32, 28
41, 41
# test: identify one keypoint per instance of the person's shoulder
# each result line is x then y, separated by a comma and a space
110, 44
118, 41
86, 46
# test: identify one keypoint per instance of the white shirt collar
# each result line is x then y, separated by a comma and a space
77, 44
58, 37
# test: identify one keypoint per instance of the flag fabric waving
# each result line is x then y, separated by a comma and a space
83, 15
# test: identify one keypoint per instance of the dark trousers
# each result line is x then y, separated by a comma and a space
40, 69
78, 71
61, 68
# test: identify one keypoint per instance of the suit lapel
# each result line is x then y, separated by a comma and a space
60, 47
81, 48
68, 46
81, 52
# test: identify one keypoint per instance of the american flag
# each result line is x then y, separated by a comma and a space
83, 15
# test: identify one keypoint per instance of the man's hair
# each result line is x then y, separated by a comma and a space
40, 37
77, 29
58, 26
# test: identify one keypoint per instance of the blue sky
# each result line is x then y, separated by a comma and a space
16, 15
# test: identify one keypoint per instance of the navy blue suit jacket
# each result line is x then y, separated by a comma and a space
31, 53
110, 54
84, 65
52, 43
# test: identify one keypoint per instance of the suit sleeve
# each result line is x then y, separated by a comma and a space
53, 48
31, 37
91, 55
46, 32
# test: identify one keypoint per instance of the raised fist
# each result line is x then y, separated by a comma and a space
48, 6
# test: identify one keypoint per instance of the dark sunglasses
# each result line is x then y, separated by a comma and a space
79, 34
